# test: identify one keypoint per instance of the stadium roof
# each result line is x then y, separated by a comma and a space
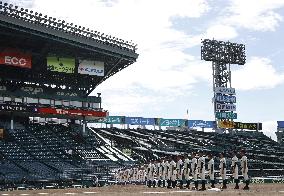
44, 35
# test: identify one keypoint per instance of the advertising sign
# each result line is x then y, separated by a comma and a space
16, 59
172, 122
210, 124
280, 124
94, 68
227, 107
225, 98
139, 121
196, 123
250, 126
239, 125
71, 112
115, 120
226, 124
16, 108
201, 123
223, 90
64, 65
226, 115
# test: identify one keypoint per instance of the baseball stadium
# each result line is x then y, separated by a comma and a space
56, 138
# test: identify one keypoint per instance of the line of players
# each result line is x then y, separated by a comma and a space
167, 173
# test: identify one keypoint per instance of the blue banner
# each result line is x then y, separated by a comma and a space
139, 121
210, 124
195, 123
172, 122
225, 98
201, 123
280, 124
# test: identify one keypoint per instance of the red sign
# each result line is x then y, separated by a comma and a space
72, 112
16, 59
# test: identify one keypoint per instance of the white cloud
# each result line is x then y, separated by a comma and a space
259, 15
257, 73
162, 66
221, 32
269, 128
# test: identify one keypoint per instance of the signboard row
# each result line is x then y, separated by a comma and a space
48, 110
158, 122
34, 91
67, 65
57, 64
239, 125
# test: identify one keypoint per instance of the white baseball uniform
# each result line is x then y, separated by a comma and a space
180, 169
201, 167
186, 168
222, 167
235, 168
244, 165
211, 169
194, 168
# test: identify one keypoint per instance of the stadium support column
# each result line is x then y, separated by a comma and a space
84, 127
12, 121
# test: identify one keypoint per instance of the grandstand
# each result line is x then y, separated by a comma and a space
51, 76
265, 155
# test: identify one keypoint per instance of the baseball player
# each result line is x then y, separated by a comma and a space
186, 171
154, 171
244, 165
173, 166
150, 174
223, 171
180, 171
235, 169
143, 174
194, 169
168, 174
174, 176
164, 168
211, 170
171, 171
159, 173
201, 168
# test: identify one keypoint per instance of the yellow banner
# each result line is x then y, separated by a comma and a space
226, 124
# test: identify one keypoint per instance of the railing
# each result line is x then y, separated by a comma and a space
70, 28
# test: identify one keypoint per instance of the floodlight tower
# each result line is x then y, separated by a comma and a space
223, 54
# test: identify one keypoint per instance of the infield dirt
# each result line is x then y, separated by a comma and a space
139, 190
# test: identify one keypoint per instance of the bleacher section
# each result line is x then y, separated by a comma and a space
51, 152
37, 151
266, 157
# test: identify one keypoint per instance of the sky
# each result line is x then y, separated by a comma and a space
169, 76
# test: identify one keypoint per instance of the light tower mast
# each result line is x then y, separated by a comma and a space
223, 54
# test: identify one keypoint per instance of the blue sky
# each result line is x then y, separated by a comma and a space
169, 76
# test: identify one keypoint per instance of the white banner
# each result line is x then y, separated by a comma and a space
226, 107
94, 68
224, 90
